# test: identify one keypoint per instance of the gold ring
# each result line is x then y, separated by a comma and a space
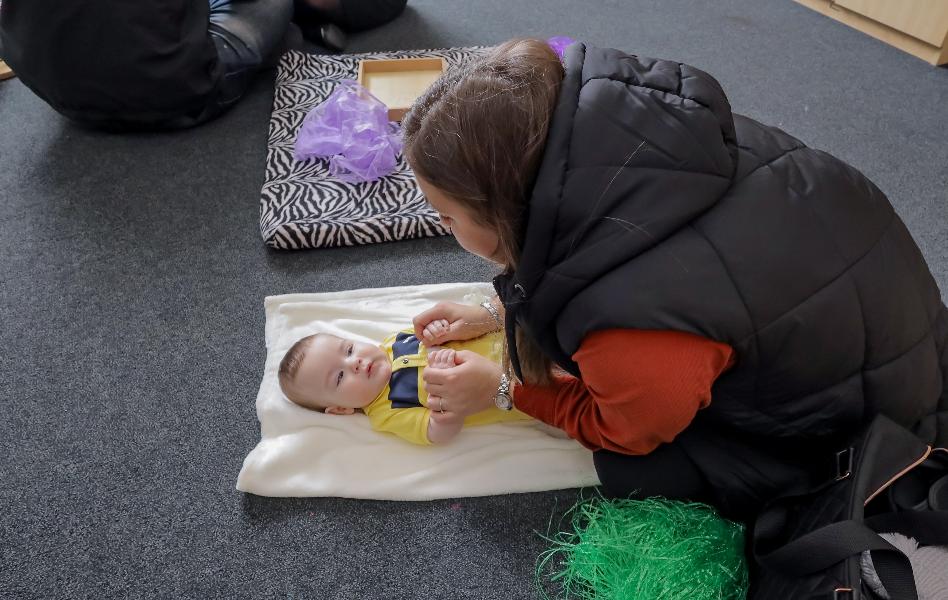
440, 405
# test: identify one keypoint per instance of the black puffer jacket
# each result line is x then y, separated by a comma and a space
656, 208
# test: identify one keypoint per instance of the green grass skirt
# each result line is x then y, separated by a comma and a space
652, 549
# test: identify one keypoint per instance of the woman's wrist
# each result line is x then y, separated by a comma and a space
494, 315
503, 399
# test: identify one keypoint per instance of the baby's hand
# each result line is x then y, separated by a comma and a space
436, 329
442, 358
446, 419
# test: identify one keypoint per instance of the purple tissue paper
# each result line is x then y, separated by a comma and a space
352, 128
559, 44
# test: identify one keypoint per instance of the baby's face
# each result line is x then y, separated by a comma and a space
340, 372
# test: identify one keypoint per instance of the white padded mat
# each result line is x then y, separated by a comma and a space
305, 453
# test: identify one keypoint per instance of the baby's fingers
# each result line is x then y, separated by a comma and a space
435, 358
435, 329
442, 358
447, 357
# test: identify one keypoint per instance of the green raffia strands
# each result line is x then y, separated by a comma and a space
652, 549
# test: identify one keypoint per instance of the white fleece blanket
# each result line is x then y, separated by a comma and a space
305, 453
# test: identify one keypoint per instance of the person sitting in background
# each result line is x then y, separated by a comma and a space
145, 64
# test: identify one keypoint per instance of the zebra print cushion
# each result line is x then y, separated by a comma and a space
302, 206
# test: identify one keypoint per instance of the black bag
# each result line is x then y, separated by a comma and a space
808, 544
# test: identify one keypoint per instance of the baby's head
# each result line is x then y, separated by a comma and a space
334, 375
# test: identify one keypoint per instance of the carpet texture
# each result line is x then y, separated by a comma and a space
132, 275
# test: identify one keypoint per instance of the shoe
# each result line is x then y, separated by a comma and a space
938, 494
327, 35
911, 491
332, 37
923, 488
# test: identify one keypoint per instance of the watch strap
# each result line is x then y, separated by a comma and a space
503, 399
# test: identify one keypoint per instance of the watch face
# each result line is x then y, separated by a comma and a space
503, 401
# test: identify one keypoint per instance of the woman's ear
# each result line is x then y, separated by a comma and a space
339, 410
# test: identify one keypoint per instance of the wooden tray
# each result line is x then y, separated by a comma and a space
398, 82
5, 71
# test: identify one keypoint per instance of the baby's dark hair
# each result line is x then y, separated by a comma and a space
478, 135
290, 365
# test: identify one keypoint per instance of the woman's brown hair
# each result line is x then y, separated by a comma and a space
478, 135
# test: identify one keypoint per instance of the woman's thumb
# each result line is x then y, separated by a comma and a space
462, 356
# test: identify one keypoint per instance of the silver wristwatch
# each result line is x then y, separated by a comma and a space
503, 400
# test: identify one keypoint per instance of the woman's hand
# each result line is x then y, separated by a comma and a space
466, 388
442, 427
447, 321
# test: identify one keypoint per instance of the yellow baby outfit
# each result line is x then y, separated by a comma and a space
401, 408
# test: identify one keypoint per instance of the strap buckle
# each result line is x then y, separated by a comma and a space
844, 468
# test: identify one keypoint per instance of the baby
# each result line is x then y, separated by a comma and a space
339, 376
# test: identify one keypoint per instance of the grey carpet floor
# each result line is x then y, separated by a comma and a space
132, 277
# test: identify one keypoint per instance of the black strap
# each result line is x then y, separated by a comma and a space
929, 528
820, 549
829, 545
895, 572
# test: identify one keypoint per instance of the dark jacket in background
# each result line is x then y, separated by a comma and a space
144, 61
656, 208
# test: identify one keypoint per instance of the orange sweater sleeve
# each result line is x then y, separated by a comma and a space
637, 389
